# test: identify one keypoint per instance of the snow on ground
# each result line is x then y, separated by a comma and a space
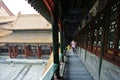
34, 73
9, 71
13, 71
33, 61
22, 69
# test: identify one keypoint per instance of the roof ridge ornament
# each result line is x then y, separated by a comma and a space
19, 13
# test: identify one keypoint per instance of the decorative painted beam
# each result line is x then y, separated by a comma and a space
49, 7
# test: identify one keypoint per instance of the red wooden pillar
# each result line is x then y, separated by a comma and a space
26, 51
50, 49
29, 51
39, 52
9, 50
14, 51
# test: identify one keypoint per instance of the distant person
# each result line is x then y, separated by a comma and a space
68, 47
73, 45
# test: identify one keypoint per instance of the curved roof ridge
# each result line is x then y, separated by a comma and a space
6, 8
29, 22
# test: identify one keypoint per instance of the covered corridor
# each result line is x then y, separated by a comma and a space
75, 69
94, 25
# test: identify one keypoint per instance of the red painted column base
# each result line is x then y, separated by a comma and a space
9, 51
26, 52
39, 52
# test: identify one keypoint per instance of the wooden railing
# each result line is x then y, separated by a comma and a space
50, 68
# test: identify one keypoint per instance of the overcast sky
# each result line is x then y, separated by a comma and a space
16, 6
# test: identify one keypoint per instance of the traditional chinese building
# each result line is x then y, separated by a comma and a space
5, 21
6, 17
31, 36
95, 27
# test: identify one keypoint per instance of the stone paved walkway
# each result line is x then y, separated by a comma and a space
75, 69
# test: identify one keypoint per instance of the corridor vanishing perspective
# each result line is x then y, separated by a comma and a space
75, 69
93, 26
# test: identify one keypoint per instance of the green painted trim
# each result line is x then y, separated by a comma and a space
87, 32
49, 74
64, 42
101, 53
55, 38
61, 42
60, 56
105, 29
51, 70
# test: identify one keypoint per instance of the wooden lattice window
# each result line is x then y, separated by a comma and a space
118, 39
119, 42
85, 39
100, 30
82, 39
100, 33
95, 37
111, 36
112, 26
118, 15
90, 36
